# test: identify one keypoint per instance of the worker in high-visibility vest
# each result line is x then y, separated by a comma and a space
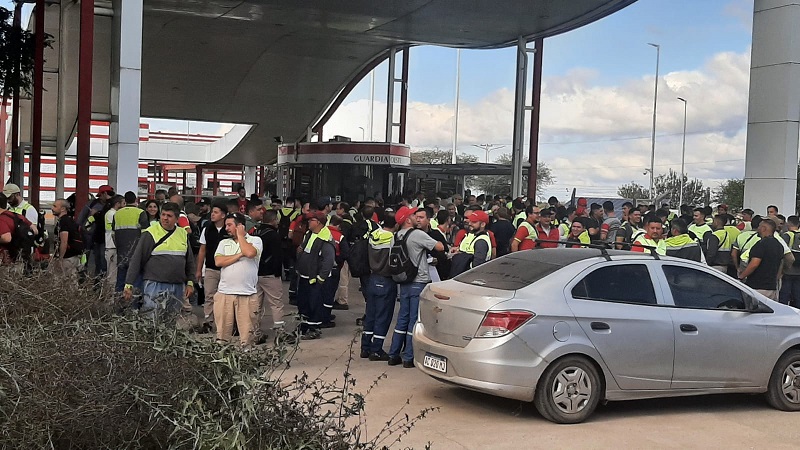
653, 238
525, 238
476, 244
719, 245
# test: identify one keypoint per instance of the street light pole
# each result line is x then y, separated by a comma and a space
362, 133
683, 150
488, 148
653, 139
458, 94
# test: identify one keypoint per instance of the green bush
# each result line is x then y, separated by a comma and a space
75, 374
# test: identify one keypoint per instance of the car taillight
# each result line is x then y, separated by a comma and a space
500, 323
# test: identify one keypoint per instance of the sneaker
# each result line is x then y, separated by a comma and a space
382, 356
341, 306
364, 354
328, 325
311, 335
408, 364
395, 361
332, 318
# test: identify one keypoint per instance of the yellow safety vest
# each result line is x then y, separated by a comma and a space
324, 234
700, 230
661, 246
381, 239
468, 243
745, 242
725, 238
532, 234
177, 244
127, 218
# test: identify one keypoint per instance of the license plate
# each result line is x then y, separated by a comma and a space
437, 363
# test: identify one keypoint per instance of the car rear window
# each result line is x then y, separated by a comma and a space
507, 273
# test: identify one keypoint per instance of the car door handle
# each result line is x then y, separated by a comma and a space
688, 328
600, 326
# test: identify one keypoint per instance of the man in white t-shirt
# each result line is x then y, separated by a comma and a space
117, 202
236, 300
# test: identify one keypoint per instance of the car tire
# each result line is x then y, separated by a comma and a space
569, 390
783, 392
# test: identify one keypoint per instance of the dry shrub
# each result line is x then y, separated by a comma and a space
75, 375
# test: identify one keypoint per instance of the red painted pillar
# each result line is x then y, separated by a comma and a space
84, 128
35, 165
404, 96
17, 154
215, 183
536, 93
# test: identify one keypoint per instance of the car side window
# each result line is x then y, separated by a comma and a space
628, 283
692, 288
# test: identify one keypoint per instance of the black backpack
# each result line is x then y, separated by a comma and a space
22, 239
283, 225
358, 257
401, 267
41, 236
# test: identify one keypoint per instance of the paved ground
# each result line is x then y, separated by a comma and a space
470, 420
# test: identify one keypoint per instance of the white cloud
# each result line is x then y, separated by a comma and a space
594, 137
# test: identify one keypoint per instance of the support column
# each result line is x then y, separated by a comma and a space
404, 96
17, 153
390, 94
84, 127
126, 92
249, 179
536, 95
35, 165
519, 118
773, 121
198, 184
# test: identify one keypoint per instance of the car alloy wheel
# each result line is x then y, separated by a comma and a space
791, 383
783, 391
569, 390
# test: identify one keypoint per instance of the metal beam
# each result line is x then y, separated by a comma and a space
519, 118
404, 96
390, 94
85, 59
536, 96
35, 165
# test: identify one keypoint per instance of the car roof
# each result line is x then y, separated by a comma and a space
566, 256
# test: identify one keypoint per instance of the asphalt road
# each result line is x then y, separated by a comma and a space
471, 420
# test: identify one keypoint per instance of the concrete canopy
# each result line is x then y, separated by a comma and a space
279, 64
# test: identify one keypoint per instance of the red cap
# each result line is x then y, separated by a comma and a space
105, 189
582, 202
478, 216
404, 213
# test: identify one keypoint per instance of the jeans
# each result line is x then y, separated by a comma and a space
329, 294
380, 294
164, 300
99, 256
309, 304
406, 319
790, 290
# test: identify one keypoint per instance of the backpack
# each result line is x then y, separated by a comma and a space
22, 239
401, 266
358, 259
41, 236
283, 225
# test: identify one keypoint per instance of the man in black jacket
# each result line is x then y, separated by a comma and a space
315, 259
270, 286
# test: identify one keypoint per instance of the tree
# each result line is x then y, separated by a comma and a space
633, 190
501, 185
731, 192
670, 184
438, 156
16, 47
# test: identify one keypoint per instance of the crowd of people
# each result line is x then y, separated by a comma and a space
232, 256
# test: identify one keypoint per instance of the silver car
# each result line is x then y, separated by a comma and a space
569, 328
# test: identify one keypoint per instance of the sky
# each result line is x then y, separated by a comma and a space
597, 97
